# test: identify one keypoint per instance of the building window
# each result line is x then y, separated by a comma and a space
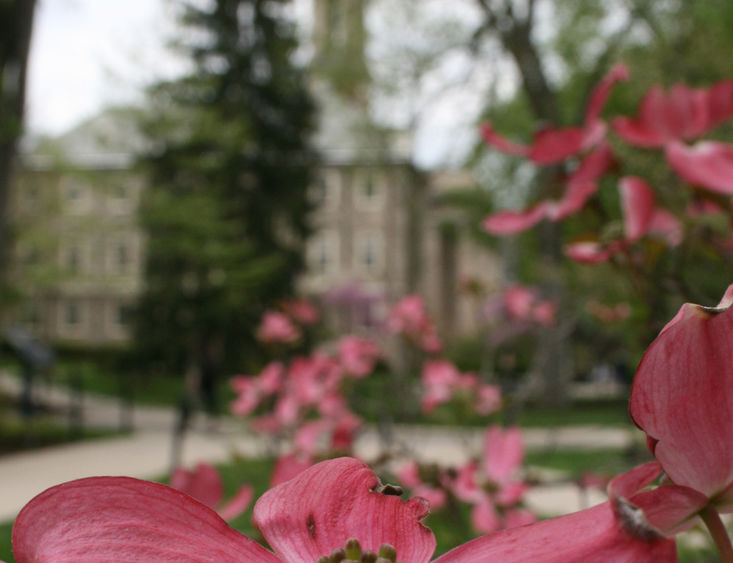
73, 259
323, 258
71, 314
120, 192
323, 253
368, 252
122, 315
122, 257
318, 192
77, 196
324, 193
369, 192
73, 190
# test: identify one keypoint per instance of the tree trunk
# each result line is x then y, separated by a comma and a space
16, 23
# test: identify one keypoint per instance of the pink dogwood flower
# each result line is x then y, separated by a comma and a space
409, 476
708, 164
410, 318
551, 145
357, 355
288, 466
682, 397
251, 390
680, 114
277, 328
579, 188
641, 217
205, 485
308, 517
492, 486
443, 382
301, 311
522, 304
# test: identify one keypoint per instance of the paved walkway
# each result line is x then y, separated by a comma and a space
147, 451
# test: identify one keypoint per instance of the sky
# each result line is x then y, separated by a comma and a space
90, 54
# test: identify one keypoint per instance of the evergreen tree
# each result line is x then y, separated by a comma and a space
226, 208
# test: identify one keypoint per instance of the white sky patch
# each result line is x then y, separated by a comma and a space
89, 54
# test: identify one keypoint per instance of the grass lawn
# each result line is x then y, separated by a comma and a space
575, 462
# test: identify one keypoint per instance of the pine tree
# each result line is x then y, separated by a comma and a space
226, 210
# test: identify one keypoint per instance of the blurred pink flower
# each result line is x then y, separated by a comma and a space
251, 390
708, 164
409, 476
205, 485
492, 486
608, 313
409, 317
301, 311
522, 304
357, 355
641, 218
443, 382
277, 328
551, 145
680, 114
288, 466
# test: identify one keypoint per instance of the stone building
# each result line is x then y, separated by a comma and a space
78, 250
380, 231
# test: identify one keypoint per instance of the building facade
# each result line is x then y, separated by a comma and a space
379, 230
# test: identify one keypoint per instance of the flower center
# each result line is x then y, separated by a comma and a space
353, 553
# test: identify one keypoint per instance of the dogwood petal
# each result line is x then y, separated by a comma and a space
599, 96
126, 520
484, 518
576, 194
682, 397
512, 222
503, 453
667, 226
288, 466
588, 536
637, 205
593, 166
720, 102
317, 511
503, 144
238, 503
664, 510
591, 252
552, 145
681, 113
203, 483
636, 133
708, 164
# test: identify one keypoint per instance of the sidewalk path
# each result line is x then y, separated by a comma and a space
146, 453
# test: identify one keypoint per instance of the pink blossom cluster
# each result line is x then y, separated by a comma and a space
443, 382
204, 483
277, 328
665, 121
682, 398
492, 485
608, 313
410, 318
304, 399
286, 326
521, 303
